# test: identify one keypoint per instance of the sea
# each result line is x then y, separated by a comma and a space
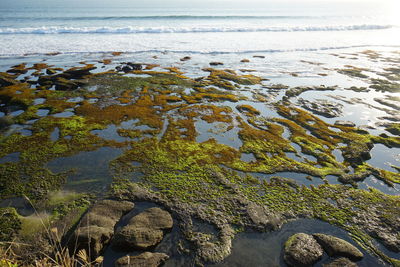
194, 27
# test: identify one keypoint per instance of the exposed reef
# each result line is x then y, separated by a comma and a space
208, 149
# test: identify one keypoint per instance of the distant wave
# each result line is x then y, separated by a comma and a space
327, 48
128, 30
164, 17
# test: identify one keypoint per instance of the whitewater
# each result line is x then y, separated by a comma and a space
205, 30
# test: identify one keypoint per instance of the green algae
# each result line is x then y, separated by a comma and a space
176, 167
9, 224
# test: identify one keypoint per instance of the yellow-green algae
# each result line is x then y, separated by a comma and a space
178, 168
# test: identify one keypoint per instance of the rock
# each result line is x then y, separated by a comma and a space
63, 84
357, 152
154, 218
144, 230
256, 56
78, 72
322, 107
51, 71
131, 238
5, 121
126, 69
92, 239
97, 226
245, 60
336, 247
341, 262
216, 63
345, 123
146, 259
302, 250
261, 216
185, 58
7, 79
135, 66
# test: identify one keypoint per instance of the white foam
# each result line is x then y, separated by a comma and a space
137, 30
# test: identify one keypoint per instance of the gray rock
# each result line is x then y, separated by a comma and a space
144, 230
336, 247
345, 123
302, 250
97, 226
131, 238
341, 262
92, 239
146, 259
154, 218
322, 107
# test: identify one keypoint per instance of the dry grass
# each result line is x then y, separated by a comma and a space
58, 256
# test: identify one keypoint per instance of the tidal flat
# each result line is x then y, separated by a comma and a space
190, 160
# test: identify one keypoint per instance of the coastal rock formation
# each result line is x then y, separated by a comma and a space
322, 107
338, 247
186, 58
341, 262
146, 259
216, 63
345, 123
97, 226
302, 250
7, 79
143, 231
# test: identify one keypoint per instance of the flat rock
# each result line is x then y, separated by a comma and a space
341, 262
154, 218
216, 63
345, 123
302, 250
146, 259
322, 107
131, 238
336, 247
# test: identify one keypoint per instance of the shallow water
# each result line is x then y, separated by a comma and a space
265, 249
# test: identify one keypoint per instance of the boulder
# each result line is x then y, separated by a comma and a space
97, 226
302, 250
336, 247
341, 262
146, 259
144, 230
245, 60
216, 63
92, 239
131, 238
154, 218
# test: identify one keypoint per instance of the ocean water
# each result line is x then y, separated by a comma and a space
38, 27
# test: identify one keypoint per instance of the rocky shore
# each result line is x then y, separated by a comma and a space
205, 151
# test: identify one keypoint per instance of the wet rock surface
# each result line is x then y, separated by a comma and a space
302, 250
97, 226
341, 262
146, 259
336, 247
143, 231
322, 107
